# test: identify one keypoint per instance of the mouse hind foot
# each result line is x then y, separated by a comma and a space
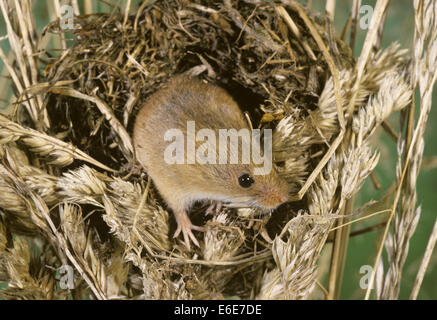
185, 226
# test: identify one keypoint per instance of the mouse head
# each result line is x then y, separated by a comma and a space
237, 184
243, 174
266, 191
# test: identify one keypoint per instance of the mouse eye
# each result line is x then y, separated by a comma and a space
245, 180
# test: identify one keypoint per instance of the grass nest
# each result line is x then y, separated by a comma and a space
71, 198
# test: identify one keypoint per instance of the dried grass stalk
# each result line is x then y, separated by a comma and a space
115, 231
410, 152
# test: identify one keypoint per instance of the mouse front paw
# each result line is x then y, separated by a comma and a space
185, 226
217, 205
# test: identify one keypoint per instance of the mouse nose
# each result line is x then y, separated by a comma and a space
274, 198
284, 197
281, 191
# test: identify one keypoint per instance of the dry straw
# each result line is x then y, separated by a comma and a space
72, 197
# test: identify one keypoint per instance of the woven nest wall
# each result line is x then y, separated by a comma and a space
67, 184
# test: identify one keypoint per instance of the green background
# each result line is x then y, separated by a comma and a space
399, 27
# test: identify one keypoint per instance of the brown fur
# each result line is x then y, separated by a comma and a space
180, 185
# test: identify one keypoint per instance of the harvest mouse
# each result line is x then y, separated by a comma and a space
185, 101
